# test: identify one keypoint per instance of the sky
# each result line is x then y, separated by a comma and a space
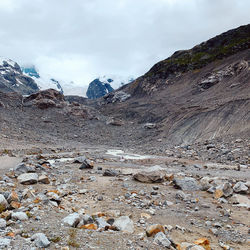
79, 40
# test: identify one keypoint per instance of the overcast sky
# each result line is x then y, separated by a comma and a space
79, 40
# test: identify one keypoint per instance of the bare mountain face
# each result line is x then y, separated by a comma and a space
197, 94
13, 80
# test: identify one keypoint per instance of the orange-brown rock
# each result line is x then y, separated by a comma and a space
204, 242
89, 226
15, 204
154, 229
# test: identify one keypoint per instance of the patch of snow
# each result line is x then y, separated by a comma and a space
53, 161
127, 156
117, 81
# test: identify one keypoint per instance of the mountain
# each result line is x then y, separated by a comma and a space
104, 85
99, 88
212, 51
13, 79
44, 82
194, 95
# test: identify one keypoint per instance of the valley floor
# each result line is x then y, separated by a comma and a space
198, 194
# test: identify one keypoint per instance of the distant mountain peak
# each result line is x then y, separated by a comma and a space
99, 88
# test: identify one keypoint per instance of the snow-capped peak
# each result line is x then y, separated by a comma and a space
8, 61
115, 81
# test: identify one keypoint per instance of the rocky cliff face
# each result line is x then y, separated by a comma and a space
13, 80
98, 88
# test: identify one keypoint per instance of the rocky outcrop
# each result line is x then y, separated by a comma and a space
45, 99
98, 89
13, 80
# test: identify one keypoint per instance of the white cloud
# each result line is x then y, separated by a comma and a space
79, 40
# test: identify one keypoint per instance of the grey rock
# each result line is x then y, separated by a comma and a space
241, 200
114, 121
125, 224
101, 222
41, 240
240, 187
117, 96
2, 223
87, 164
226, 189
161, 240
92, 178
86, 219
149, 177
187, 183
4, 242
28, 178
100, 198
110, 172
3, 202
80, 159
23, 168
205, 183
83, 191
180, 195
150, 125
72, 220
19, 216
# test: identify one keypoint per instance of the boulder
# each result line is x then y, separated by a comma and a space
240, 187
187, 184
72, 220
149, 177
223, 190
154, 229
19, 216
41, 240
241, 200
101, 223
23, 168
86, 164
110, 172
3, 203
161, 240
125, 224
80, 159
28, 178
86, 219
44, 179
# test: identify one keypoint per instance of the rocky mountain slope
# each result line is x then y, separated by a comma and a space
194, 95
12, 78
